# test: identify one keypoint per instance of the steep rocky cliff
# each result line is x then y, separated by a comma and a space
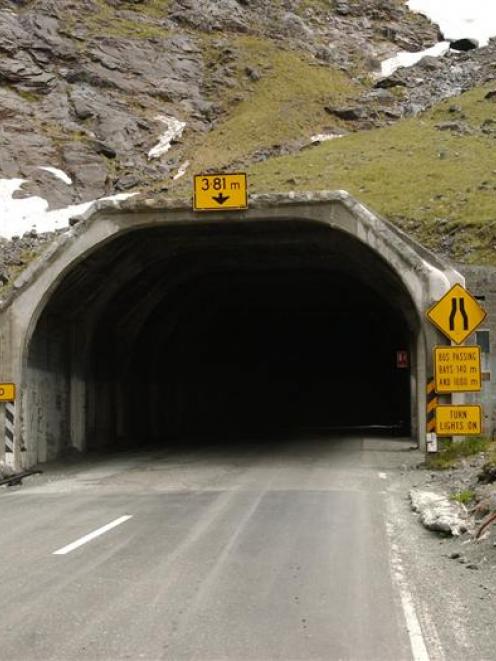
127, 96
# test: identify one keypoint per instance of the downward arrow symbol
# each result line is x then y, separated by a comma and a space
220, 199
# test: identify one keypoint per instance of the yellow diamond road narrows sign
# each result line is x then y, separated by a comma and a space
457, 314
220, 192
459, 420
457, 369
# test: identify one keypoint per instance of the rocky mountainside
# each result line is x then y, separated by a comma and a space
130, 95
89, 87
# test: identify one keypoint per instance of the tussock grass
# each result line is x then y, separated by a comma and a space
463, 497
453, 451
105, 22
285, 105
437, 185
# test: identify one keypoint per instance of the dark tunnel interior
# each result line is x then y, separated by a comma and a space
231, 332
273, 351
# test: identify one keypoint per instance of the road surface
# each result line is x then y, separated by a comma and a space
260, 551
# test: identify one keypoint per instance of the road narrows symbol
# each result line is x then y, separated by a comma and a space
464, 314
457, 314
453, 314
454, 311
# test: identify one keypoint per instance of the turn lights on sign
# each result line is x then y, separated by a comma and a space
220, 192
459, 420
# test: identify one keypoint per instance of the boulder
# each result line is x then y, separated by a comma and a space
347, 113
464, 44
455, 127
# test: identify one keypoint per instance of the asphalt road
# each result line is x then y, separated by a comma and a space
263, 551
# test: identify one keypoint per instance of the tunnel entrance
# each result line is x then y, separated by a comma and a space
276, 351
223, 330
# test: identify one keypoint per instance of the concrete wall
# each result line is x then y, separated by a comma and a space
47, 402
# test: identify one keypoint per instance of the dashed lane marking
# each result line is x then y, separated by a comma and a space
92, 535
383, 476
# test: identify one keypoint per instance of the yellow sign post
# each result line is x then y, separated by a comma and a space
457, 314
220, 192
457, 369
459, 420
7, 392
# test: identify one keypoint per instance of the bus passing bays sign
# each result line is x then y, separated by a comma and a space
457, 369
220, 192
459, 420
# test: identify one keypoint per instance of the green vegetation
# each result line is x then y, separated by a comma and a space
285, 105
463, 497
13, 270
59, 135
105, 21
438, 185
121, 27
323, 5
26, 95
153, 8
453, 451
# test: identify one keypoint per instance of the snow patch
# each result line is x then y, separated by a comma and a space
460, 19
18, 216
457, 19
438, 513
181, 171
60, 174
406, 59
325, 137
174, 131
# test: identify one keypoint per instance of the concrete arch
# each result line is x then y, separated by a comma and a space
416, 278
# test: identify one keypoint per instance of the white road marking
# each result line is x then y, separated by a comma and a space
417, 642
96, 533
383, 476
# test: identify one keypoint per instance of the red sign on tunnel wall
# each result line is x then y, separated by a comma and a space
402, 359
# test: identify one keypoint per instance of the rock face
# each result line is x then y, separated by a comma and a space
84, 86
464, 44
432, 80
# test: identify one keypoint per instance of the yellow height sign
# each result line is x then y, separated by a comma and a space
457, 369
459, 420
220, 192
7, 392
457, 314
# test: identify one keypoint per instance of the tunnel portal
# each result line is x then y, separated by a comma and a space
147, 323
224, 332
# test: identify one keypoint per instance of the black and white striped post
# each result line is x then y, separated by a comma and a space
432, 404
7, 397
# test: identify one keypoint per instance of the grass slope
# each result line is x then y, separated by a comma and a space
438, 185
285, 105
